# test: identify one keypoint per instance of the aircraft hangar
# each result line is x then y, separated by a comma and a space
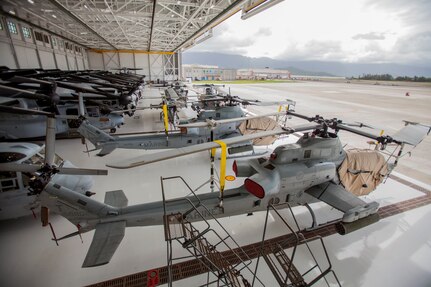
106, 35
129, 39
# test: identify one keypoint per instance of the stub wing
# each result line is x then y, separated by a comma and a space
105, 242
336, 196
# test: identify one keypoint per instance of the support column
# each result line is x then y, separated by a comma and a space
180, 65
103, 61
149, 67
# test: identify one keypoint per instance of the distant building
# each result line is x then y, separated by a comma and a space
206, 72
262, 74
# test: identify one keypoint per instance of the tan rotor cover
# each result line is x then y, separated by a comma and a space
259, 125
361, 167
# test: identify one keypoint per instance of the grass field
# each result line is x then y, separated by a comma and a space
242, 82
336, 80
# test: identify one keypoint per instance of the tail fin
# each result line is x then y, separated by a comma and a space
74, 206
86, 213
93, 134
98, 138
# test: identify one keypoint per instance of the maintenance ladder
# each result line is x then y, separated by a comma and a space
208, 246
282, 265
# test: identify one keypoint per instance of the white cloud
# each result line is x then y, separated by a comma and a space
340, 30
369, 36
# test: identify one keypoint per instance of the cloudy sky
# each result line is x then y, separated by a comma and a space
365, 31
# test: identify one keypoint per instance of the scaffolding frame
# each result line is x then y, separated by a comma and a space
271, 253
227, 270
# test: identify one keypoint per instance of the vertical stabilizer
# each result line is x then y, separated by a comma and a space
93, 134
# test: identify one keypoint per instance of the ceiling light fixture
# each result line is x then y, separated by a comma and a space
30, 1
12, 12
54, 16
85, 6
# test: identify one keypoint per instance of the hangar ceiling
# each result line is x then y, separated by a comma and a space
151, 25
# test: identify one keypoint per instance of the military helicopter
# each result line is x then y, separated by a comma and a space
298, 173
22, 163
189, 134
114, 91
19, 126
126, 70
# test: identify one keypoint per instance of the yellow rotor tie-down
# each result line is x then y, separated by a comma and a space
222, 163
165, 117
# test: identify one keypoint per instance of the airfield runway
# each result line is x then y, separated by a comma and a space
381, 106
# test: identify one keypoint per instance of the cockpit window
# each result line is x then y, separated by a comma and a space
10, 156
93, 112
8, 181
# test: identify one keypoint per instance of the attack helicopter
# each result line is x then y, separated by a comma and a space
26, 166
189, 134
221, 123
300, 173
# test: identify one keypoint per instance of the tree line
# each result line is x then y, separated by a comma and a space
388, 77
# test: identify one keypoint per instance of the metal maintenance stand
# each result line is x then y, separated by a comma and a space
280, 257
225, 262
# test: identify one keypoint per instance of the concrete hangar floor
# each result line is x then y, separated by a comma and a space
396, 251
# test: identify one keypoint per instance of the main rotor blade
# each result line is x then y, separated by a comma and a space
32, 168
19, 167
50, 140
20, 79
83, 89
213, 123
160, 156
412, 134
82, 171
24, 93
17, 110
267, 103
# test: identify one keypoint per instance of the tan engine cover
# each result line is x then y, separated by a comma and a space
259, 125
362, 171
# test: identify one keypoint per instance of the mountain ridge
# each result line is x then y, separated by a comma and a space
310, 68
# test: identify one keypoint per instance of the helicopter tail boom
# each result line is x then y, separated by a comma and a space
97, 137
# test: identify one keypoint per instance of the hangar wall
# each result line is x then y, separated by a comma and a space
23, 45
155, 65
